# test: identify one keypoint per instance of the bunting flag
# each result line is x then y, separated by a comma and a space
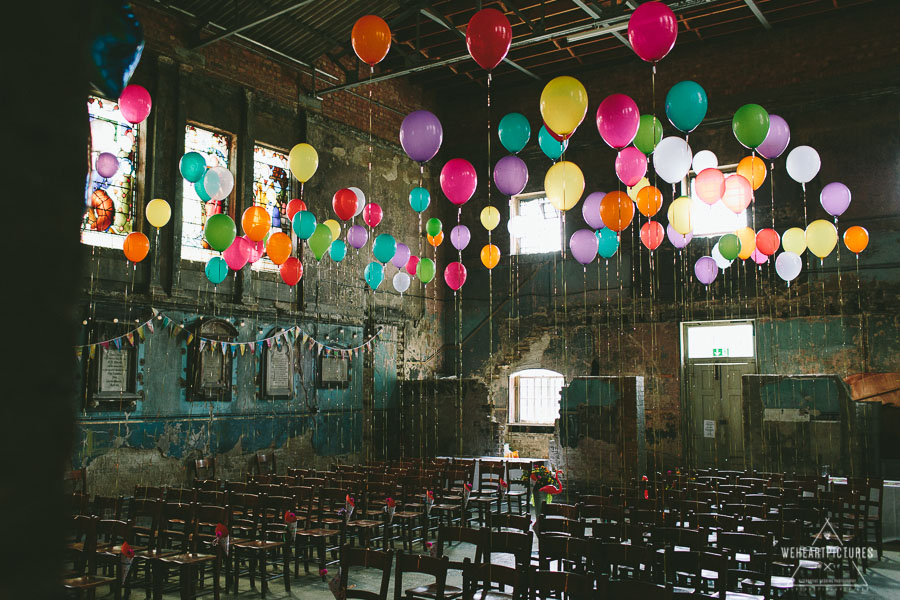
242, 349
202, 344
140, 331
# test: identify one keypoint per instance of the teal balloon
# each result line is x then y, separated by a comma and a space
374, 275
338, 250
514, 131
419, 199
750, 125
729, 246
304, 224
201, 193
384, 248
608, 242
550, 146
649, 134
320, 240
686, 105
192, 166
216, 270
219, 232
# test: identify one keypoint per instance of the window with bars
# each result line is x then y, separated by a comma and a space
534, 396
216, 147
272, 191
535, 225
110, 199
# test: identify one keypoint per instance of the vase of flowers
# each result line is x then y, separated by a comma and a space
537, 478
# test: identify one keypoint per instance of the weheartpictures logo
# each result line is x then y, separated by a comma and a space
831, 561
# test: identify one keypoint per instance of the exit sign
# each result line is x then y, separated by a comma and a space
720, 352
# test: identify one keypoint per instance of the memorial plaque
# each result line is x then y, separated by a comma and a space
334, 372
114, 371
279, 371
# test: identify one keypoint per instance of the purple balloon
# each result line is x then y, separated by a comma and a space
511, 175
706, 269
460, 236
107, 164
421, 135
777, 139
401, 256
584, 246
676, 239
590, 210
357, 236
835, 198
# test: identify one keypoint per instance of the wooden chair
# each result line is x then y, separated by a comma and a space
548, 584
425, 565
519, 491
369, 559
509, 522
178, 531
555, 526
107, 507
205, 469
569, 554
484, 581
559, 509
84, 578
486, 492
262, 537
628, 561
514, 543
319, 532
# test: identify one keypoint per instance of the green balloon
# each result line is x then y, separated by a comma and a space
729, 246
750, 125
514, 131
320, 240
649, 134
192, 166
433, 226
219, 232
374, 275
385, 247
686, 105
425, 270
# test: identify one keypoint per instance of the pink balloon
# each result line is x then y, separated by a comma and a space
458, 180
372, 214
652, 30
238, 253
631, 165
411, 265
257, 249
618, 120
134, 103
738, 193
455, 275
759, 258
710, 185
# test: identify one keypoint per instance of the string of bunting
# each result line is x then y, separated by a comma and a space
291, 334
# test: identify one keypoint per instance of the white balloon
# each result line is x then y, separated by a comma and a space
401, 281
218, 183
516, 226
788, 265
803, 164
705, 159
722, 262
360, 200
672, 159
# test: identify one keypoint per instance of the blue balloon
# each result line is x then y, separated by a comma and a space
419, 199
116, 44
549, 145
216, 270
514, 131
374, 275
304, 224
686, 105
338, 250
608, 242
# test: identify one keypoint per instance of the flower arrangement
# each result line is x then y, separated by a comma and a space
539, 476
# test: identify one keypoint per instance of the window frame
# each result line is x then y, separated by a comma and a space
515, 408
98, 400
515, 203
222, 392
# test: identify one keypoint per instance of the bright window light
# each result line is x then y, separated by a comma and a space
535, 225
715, 220
720, 341
534, 396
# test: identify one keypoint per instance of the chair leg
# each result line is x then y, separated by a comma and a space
217, 571
263, 572
287, 567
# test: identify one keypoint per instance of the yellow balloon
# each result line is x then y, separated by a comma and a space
158, 212
303, 160
633, 190
564, 184
748, 242
821, 237
679, 215
794, 240
335, 228
564, 103
490, 217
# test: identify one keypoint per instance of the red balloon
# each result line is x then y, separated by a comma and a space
455, 275
411, 265
652, 234
768, 241
344, 203
488, 37
372, 214
291, 270
295, 206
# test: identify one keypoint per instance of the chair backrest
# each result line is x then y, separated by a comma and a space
113, 532
575, 586
214, 498
149, 491
107, 507
637, 590
177, 526
485, 577
85, 530
205, 468
464, 535
517, 544
558, 509
370, 559
557, 526
569, 553
715, 521
426, 565
629, 561
502, 521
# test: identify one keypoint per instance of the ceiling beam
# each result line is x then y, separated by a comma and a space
594, 13
751, 4
230, 32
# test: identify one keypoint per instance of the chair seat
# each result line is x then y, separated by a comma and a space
365, 523
258, 545
407, 514
430, 591
318, 532
187, 558
114, 551
491, 596
445, 507
782, 583
516, 493
153, 554
86, 582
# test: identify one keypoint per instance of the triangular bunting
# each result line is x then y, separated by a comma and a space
93, 351
150, 326
130, 337
243, 348
140, 332
190, 337
202, 344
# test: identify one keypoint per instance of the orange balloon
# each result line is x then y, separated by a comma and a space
279, 247
649, 201
856, 239
371, 39
136, 247
256, 223
435, 240
490, 256
753, 169
616, 210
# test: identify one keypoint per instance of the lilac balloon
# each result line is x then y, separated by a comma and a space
584, 246
421, 135
777, 139
107, 164
676, 239
460, 236
590, 210
835, 198
511, 175
401, 256
357, 236
706, 269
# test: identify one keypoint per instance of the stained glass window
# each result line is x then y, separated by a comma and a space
109, 211
216, 148
272, 191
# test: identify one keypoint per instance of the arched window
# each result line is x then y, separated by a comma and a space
534, 396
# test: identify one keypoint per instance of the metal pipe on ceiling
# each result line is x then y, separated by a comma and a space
254, 23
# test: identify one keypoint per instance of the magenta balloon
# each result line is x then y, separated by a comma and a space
460, 236
676, 239
758, 257
835, 198
107, 164
458, 180
652, 30
135, 103
455, 275
357, 236
706, 269
618, 120
777, 139
590, 210
238, 253
421, 135
257, 249
584, 245
511, 175
631, 165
